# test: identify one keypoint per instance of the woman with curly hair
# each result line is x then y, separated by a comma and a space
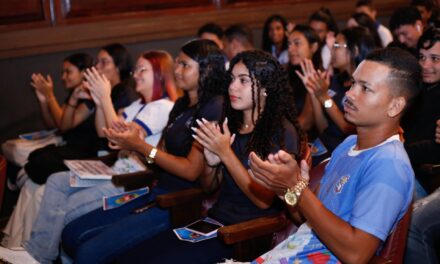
275, 39
261, 119
100, 236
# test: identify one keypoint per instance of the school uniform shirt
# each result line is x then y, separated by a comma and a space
152, 117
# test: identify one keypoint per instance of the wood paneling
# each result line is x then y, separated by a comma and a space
75, 32
27, 13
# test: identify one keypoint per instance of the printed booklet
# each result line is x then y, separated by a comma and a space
90, 169
111, 202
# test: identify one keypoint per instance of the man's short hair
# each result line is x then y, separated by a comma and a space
405, 76
368, 3
429, 38
404, 16
212, 28
241, 33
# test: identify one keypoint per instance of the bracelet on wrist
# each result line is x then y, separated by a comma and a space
292, 195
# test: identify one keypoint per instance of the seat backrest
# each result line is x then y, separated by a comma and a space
393, 250
2, 178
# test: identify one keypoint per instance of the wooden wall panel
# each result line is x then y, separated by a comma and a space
24, 13
77, 30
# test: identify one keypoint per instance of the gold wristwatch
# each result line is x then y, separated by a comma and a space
292, 195
151, 156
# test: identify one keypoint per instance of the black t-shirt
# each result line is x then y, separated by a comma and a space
85, 133
178, 139
233, 206
333, 135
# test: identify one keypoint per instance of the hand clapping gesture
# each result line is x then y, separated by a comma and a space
216, 144
316, 82
279, 172
43, 86
124, 136
98, 85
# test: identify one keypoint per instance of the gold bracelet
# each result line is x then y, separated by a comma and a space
292, 195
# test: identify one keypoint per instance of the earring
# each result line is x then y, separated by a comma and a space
264, 94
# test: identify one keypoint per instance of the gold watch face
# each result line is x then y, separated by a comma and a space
290, 198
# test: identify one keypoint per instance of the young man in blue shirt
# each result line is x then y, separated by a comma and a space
368, 183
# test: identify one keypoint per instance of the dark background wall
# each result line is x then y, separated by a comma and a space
28, 47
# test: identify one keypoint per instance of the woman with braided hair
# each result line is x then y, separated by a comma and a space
261, 118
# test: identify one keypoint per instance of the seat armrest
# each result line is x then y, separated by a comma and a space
179, 198
261, 226
135, 180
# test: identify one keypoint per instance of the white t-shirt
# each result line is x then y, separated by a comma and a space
152, 117
385, 35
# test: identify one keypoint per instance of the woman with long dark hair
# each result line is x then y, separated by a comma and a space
275, 39
261, 115
303, 44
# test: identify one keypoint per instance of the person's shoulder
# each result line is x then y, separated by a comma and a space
162, 102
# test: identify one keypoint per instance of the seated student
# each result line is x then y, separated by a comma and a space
422, 142
420, 121
324, 24
367, 7
327, 93
99, 236
275, 39
406, 24
363, 20
212, 32
261, 116
428, 12
371, 165
149, 115
72, 76
237, 38
303, 44
114, 61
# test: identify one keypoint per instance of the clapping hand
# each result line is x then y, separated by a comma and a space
98, 85
317, 83
215, 143
123, 136
43, 86
279, 172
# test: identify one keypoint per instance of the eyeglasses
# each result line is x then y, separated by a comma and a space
337, 45
138, 70
103, 62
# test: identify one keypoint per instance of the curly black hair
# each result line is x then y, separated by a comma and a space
212, 81
266, 73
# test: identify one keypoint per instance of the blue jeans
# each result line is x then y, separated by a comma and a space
424, 230
60, 205
166, 248
100, 236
